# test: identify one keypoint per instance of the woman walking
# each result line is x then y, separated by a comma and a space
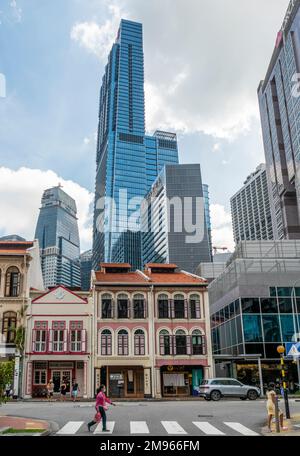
101, 407
271, 400
63, 390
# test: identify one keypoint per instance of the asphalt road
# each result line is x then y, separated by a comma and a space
227, 417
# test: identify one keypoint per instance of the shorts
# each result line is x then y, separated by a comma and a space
50, 393
75, 393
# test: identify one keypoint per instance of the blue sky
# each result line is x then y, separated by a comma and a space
203, 62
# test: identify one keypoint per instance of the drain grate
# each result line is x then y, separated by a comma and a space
205, 416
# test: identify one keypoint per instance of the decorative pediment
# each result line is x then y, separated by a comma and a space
59, 295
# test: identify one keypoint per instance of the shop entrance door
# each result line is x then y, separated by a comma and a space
134, 383
58, 376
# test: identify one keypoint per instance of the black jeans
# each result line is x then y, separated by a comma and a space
103, 416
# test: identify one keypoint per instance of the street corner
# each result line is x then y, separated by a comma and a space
292, 425
13, 426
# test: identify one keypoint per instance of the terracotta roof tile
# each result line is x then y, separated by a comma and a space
126, 277
175, 277
135, 277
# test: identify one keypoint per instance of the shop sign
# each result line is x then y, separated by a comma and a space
61, 365
116, 376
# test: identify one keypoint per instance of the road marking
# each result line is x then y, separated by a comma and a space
240, 428
172, 427
70, 428
207, 428
109, 425
139, 427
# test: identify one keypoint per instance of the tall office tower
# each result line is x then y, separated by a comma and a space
57, 232
173, 219
207, 215
279, 107
85, 269
127, 161
250, 209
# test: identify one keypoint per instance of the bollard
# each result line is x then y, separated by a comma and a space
277, 415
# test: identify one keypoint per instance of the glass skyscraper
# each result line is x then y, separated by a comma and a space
57, 232
205, 188
280, 107
127, 161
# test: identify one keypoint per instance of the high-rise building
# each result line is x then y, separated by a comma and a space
57, 232
250, 209
174, 204
127, 161
279, 107
85, 269
207, 214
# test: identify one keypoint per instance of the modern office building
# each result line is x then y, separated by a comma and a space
205, 188
127, 161
86, 266
255, 307
279, 107
57, 232
250, 209
173, 219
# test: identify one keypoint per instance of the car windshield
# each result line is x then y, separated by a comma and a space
204, 382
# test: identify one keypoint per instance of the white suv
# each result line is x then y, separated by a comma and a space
216, 388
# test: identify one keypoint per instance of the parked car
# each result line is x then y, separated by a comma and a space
216, 388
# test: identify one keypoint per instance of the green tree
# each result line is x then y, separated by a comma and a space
6, 376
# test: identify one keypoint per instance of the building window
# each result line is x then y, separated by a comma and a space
164, 342
13, 280
39, 340
250, 305
123, 306
252, 328
40, 377
195, 311
139, 306
179, 306
76, 341
180, 343
271, 328
123, 343
106, 302
163, 306
139, 342
106, 342
197, 343
9, 327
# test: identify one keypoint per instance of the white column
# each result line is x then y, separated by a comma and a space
151, 330
147, 382
84, 379
157, 383
28, 380
16, 375
208, 335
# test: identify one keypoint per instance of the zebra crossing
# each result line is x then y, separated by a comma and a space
168, 428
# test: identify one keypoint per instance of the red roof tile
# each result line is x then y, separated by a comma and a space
161, 278
175, 277
119, 277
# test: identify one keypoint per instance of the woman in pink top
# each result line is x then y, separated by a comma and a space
101, 407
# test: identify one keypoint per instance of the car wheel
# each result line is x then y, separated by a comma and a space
252, 395
215, 395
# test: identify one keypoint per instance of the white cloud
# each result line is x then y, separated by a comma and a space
96, 38
17, 11
20, 197
86, 141
202, 64
222, 234
216, 147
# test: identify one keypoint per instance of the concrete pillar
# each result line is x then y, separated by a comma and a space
28, 380
147, 383
85, 379
157, 383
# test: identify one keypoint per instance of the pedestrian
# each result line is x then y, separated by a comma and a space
8, 389
271, 400
50, 390
63, 390
101, 407
75, 390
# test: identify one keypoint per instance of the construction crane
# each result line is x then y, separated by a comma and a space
215, 249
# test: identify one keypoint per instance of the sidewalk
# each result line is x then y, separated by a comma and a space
293, 426
17, 424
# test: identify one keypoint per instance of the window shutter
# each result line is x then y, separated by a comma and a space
145, 309
162, 344
83, 340
33, 339
198, 310
129, 304
186, 309
65, 340
188, 345
50, 348
171, 301
109, 345
172, 340
203, 340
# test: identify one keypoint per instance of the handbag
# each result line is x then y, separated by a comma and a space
97, 417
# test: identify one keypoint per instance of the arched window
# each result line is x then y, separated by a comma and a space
139, 342
106, 305
139, 310
9, 325
179, 306
106, 342
163, 306
195, 310
123, 306
12, 283
197, 343
123, 349
165, 342
180, 342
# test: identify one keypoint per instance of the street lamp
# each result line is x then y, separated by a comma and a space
281, 351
